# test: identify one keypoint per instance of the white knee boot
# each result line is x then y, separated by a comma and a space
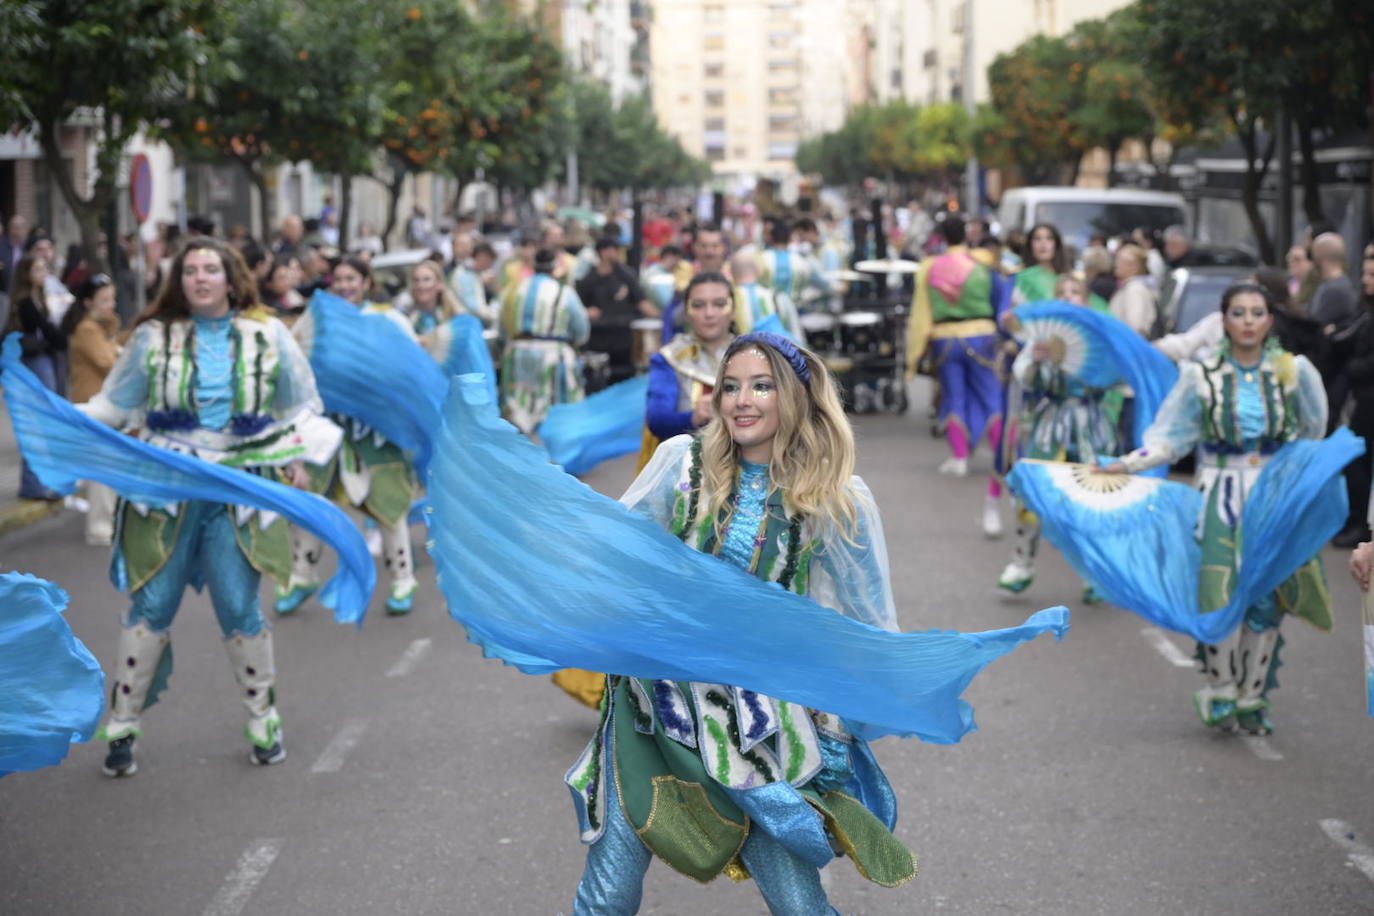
138, 655
256, 672
400, 567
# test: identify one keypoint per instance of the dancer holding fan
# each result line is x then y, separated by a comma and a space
1067, 420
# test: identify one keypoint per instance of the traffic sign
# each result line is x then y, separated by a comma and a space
141, 187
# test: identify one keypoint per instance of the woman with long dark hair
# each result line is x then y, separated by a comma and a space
208, 372
44, 345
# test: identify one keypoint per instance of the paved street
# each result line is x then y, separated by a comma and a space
424, 780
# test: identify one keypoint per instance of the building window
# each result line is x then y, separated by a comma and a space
741, 153
715, 98
713, 13
714, 138
782, 95
714, 70
782, 150
784, 63
780, 41
714, 41
715, 154
714, 124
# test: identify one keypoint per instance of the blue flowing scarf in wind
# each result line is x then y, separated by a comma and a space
63, 446
1133, 536
608, 424
369, 369
545, 573
1106, 351
53, 687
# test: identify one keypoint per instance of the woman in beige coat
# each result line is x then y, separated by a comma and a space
92, 328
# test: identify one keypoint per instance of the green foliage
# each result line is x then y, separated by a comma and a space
898, 140
624, 146
123, 61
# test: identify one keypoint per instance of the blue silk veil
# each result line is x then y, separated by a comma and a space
63, 446
545, 574
53, 687
1133, 536
605, 425
369, 369
1105, 352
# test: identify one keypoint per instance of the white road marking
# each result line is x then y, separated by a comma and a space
331, 760
1343, 835
1261, 748
247, 874
1165, 647
410, 658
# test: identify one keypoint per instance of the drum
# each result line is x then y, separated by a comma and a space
860, 332
819, 330
648, 336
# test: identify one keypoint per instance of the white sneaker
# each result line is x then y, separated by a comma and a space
1016, 578
992, 517
954, 467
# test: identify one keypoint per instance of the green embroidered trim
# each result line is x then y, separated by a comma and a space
190, 371
803, 578
789, 569
694, 481
717, 699
249, 459
719, 736
796, 751
240, 370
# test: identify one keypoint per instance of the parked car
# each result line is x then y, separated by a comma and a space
1191, 292
1080, 213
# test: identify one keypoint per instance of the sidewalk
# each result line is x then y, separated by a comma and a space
15, 512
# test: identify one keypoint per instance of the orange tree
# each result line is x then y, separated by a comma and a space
1036, 89
117, 63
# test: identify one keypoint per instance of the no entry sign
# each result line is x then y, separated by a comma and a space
141, 187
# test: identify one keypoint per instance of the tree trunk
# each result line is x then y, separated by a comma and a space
345, 209
259, 180
393, 200
1112, 152
88, 213
1311, 189
1254, 178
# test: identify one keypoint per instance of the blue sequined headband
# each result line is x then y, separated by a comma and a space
784, 346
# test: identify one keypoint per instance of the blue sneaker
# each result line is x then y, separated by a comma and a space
292, 598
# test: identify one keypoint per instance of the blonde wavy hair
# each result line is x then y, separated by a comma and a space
813, 450
447, 306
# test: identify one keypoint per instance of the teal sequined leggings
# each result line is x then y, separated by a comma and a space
207, 552
613, 881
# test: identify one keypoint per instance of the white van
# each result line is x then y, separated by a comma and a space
1080, 213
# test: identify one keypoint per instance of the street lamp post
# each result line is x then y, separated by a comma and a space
972, 203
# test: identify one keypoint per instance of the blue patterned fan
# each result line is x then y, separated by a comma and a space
1100, 350
1078, 342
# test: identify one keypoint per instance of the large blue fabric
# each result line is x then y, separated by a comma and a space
1113, 353
1133, 536
369, 369
545, 573
468, 351
582, 434
53, 687
64, 446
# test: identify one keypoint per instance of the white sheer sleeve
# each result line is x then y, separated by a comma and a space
295, 381
1176, 428
1312, 406
851, 574
653, 492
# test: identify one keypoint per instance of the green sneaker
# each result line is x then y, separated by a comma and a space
402, 598
1091, 595
1016, 578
